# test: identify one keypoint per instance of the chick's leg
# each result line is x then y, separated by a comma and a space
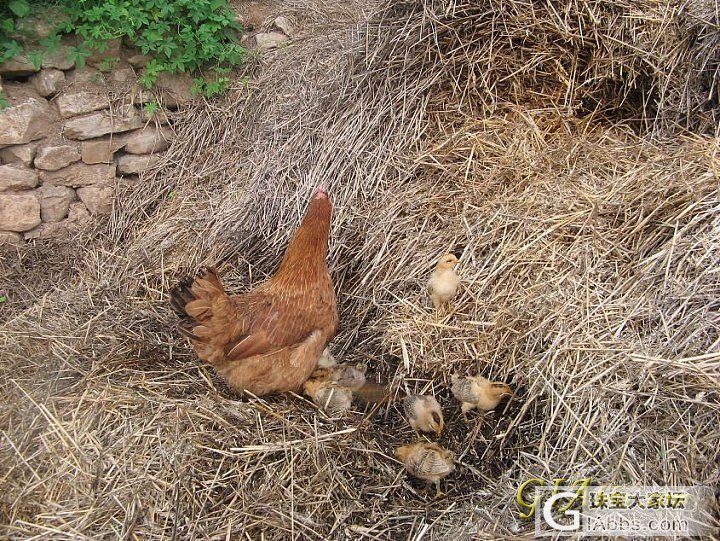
438, 493
466, 406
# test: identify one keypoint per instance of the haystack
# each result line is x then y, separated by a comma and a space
564, 151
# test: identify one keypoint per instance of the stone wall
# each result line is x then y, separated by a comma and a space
72, 137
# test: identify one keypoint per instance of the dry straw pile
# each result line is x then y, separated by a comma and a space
563, 150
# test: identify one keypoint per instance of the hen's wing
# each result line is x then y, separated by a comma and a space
258, 322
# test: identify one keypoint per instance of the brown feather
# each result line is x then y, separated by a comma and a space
247, 346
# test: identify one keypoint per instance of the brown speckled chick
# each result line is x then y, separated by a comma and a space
352, 377
424, 413
345, 375
427, 461
329, 397
478, 392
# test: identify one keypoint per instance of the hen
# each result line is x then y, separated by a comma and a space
269, 339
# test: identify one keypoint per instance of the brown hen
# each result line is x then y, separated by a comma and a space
269, 339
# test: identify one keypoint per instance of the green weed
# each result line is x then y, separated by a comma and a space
151, 108
179, 35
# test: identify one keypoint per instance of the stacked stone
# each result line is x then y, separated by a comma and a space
67, 143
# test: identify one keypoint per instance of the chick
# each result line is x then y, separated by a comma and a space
345, 375
424, 413
326, 359
478, 392
329, 397
427, 461
352, 377
444, 281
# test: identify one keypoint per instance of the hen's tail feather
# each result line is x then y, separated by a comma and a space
180, 295
187, 299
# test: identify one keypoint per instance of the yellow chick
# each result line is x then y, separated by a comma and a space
478, 392
427, 461
326, 359
329, 397
444, 281
424, 413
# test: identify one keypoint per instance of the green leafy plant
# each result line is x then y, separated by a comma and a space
178, 35
51, 43
35, 58
151, 108
4, 102
9, 13
107, 64
215, 85
20, 8
210, 89
78, 55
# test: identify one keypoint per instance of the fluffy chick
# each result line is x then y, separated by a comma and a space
478, 392
427, 461
424, 413
444, 281
345, 375
326, 359
329, 397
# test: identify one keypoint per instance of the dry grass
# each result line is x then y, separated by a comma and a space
589, 248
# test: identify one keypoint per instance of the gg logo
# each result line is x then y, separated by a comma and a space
577, 488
